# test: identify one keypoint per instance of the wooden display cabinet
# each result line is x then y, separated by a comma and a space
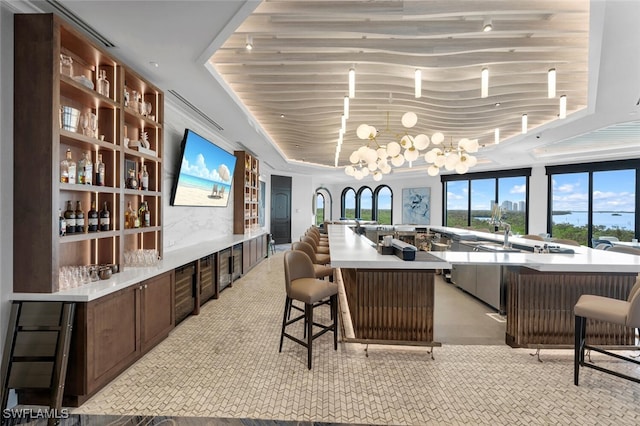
43, 134
246, 189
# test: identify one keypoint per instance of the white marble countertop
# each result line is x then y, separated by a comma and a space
350, 250
133, 275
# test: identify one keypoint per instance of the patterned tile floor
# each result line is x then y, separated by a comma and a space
224, 363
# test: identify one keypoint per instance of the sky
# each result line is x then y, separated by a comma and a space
483, 193
612, 191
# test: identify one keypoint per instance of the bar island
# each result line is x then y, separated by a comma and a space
391, 300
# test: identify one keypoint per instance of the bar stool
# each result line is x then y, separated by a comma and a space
615, 311
319, 244
322, 258
320, 270
301, 285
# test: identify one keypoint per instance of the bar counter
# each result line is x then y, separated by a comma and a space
392, 300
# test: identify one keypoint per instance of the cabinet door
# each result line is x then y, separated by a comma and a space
157, 309
113, 336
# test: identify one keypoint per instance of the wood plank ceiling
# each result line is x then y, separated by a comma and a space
295, 78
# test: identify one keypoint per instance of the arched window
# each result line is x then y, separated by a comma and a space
364, 203
348, 203
383, 205
320, 208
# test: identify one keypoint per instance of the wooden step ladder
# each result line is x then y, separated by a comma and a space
36, 350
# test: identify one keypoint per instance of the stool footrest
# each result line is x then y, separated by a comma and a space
606, 370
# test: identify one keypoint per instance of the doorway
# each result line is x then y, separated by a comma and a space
281, 209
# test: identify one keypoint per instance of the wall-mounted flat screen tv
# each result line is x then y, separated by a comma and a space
205, 175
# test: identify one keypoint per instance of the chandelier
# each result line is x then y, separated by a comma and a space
374, 158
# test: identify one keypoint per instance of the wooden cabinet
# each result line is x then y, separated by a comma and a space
246, 188
112, 332
57, 109
253, 251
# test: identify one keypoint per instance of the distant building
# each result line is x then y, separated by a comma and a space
507, 205
522, 206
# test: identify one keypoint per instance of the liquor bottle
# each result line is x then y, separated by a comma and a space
88, 170
81, 168
141, 212
68, 169
62, 224
103, 84
100, 171
132, 181
145, 178
105, 221
128, 216
79, 218
147, 215
92, 218
70, 218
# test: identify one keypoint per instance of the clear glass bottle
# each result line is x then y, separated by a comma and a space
103, 84
70, 218
81, 168
92, 218
68, 169
145, 178
88, 170
79, 218
105, 220
100, 171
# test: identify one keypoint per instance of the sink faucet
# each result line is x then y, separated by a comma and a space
507, 231
497, 221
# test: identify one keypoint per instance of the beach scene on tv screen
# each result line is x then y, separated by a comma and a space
206, 174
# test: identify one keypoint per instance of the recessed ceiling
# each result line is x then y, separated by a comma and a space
302, 51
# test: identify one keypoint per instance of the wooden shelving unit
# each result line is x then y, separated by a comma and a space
40, 144
245, 193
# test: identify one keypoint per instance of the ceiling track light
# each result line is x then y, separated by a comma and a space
563, 107
352, 83
496, 137
524, 123
551, 83
487, 25
418, 84
484, 83
345, 111
249, 43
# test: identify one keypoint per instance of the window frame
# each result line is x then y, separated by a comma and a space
343, 209
376, 192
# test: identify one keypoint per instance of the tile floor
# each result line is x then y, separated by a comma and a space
224, 363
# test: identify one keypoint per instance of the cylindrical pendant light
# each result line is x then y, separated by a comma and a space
418, 84
484, 84
551, 83
352, 83
345, 111
496, 138
524, 123
563, 107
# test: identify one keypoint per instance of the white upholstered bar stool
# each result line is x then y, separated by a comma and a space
301, 284
615, 311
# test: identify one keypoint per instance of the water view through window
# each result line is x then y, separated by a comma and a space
613, 211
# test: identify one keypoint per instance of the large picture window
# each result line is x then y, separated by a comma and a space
593, 200
469, 199
364, 204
